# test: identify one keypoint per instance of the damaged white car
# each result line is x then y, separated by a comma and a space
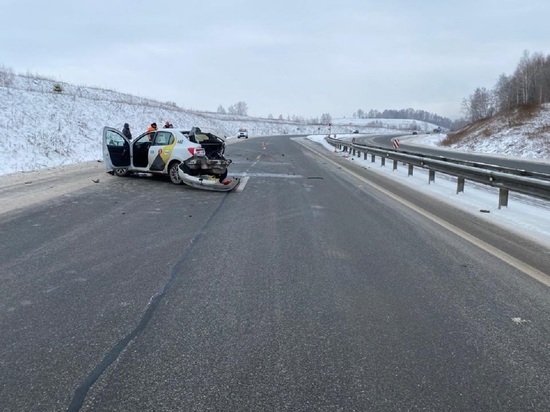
194, 157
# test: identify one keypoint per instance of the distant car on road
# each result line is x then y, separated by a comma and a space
242, 133
355, 132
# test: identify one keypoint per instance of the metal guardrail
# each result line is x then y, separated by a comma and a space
504, 178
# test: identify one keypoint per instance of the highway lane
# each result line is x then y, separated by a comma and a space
308, 290
77, 273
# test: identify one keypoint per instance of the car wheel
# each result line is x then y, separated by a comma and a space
121, 172
173, 173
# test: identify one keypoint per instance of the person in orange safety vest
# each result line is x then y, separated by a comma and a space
152, 128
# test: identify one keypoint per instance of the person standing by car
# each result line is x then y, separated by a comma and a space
150, 129
126, 131
168, 125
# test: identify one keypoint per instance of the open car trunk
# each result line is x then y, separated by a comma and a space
213, 150
213, 145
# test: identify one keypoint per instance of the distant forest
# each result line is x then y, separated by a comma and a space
528, 85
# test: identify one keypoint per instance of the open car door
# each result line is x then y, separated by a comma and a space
116, 149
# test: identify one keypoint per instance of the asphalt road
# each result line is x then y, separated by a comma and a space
306, 290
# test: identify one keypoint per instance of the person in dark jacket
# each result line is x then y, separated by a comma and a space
126, 131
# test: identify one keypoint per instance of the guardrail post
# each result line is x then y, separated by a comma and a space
354, 151
372, 158
502, 197
394, 164
460, 185
411, 167
431, 176
382, 161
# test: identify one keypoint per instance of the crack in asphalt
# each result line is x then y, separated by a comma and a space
81, 392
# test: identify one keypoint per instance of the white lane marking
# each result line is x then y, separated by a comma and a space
519, 321
245, 176
282, 175
242, 184
512, 261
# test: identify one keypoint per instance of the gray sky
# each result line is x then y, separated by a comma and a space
301, 57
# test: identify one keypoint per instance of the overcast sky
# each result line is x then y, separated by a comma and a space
299, 57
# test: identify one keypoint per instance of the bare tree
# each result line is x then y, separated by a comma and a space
530, 83
221, 110
239, 108
479, 105
326, 118
539, 83
503, 94
242, 108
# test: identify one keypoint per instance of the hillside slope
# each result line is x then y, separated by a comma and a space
523, 132
42, 128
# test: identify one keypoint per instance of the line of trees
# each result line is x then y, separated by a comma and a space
529, 84
239, 108
409, 113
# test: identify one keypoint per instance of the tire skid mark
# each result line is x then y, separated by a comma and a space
81, 392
